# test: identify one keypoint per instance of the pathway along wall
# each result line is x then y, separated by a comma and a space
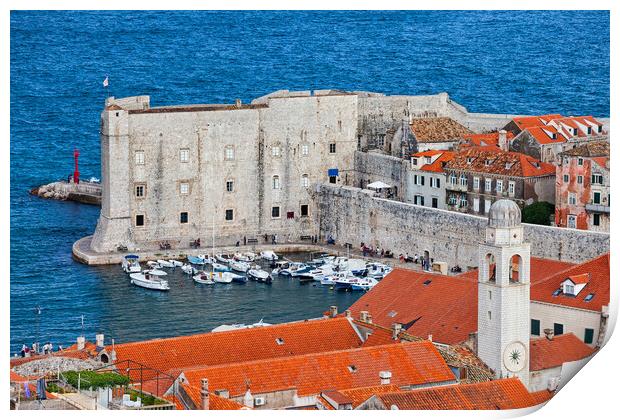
352, 215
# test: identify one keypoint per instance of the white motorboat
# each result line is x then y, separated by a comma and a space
219, 267
207, 258
364, 284
269, 255
203, 277
149, 280
378, 271
345, 279
250, 256
230, 327
259, 275
346, 282
176, 263
130, 264
156, 272
240, 266
241, 257
165, 264
318, 273
188, 269
153, 264
223, 258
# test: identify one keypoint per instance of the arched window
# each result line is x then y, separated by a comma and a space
516, 268
276, 182
490, 266
305, 181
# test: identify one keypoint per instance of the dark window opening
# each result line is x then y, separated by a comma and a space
275, 212
139, 220
535, 327
304, 210
588, 336
184, 217
229, 214
332, 179
434, 202
558, 329
290, 214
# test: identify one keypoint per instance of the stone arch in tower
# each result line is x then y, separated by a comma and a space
490, 268
515, 267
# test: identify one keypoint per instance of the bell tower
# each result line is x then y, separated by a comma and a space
504, 294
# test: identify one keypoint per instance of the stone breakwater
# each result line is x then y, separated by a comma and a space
84, 192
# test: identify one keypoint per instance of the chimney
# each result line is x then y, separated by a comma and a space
364, 316
369, 318
238, 103
99, 340
347, 313
224, 393
385, 376
430, 338
502, 141
113, 352
333, 311
396, 329
548, 333
204, 394
80, 343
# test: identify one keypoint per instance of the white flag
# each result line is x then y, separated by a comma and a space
105, 82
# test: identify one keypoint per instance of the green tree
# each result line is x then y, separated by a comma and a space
538, 213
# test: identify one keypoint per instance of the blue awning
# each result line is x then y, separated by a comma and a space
332, 172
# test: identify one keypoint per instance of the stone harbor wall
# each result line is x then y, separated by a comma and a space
352, 215
84, 192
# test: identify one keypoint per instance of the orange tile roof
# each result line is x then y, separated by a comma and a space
590, 149
598, 285
215, 401
542, 136
358, 395
242, 345
411, 363
485, 139
525, 122
501, 394
475, 159
546, 354
439, 129
446, 308
438, 164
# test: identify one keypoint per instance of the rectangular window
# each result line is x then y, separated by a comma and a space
422, 179
140, 157
184, 155
597, 179
558, 329
275, 151
434, 202
535, 327
290, 214
572, 221
511, 187
565, 178
275, 212
579, 179
463, 202
230, 185
304, 210
305, 181
596, 198
596, 219
139, 220
184, 188
139, 190
229, 214
476, 183
305, 150
476, 204
580, 161
453, 179
229, 153
438, 184
183, 217
499, 186
572, 198
332, 179
487, 185
332, 148
487, 206
588, 336
463, 181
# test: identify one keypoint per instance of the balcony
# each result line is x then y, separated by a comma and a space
598, 208
456, 187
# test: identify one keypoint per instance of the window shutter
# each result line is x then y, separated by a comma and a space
438, 183
422, 179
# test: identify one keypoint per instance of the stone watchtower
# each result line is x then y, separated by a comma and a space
504, 294
114, 224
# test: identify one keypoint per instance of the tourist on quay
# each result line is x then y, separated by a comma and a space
245, 240
23, 352
60, 347
237, 244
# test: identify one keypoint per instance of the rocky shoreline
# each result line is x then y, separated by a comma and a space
84, 192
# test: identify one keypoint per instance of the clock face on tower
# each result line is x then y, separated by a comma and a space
515, 356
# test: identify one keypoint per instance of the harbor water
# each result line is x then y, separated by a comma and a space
499, 62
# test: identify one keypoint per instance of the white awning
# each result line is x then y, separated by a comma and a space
377, 185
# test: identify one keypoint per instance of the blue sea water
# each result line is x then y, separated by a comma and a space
530, 62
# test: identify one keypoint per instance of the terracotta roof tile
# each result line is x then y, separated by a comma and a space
483, 160
532, 121
546, 134
597, 270
485, 139
215, 401
435, 130
546, 354
502, 394
413, 363
242, 345
590, 149
438, 164
358, 395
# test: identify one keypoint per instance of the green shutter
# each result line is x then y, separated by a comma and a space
535, 327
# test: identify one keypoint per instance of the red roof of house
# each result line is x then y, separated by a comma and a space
438, 164
532, 121
501, 394
597, 271
489, 161
215, 401
358, 395
546, 354
242, 345
486, 139
411, 363
447, 307
543, 134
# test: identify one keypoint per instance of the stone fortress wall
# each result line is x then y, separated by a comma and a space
301, 126
352, 215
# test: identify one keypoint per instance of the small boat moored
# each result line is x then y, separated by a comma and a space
259, 275
149, 280
130, 264
165, 264
196, 260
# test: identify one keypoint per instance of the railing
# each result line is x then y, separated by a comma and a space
599, 208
